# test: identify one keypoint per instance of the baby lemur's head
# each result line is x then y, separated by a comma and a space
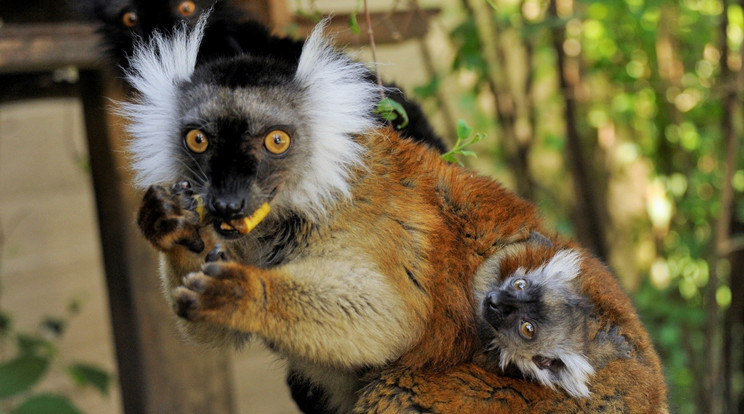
248, 131
534, 320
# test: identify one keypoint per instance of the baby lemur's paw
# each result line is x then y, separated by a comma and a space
214, 295
168, 218
610, 345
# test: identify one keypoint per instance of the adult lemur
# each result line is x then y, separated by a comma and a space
228, 33
352, 253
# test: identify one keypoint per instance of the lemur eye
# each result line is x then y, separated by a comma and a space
186, 8
277, 141
519, 284
527, 330
196, 141
130, 19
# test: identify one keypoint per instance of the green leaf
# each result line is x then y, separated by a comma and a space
85, 374
46, 404
33, 345
21, 374
463, 129
389, 110
353, 24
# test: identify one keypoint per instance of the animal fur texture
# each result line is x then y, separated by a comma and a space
228, 32
362, 275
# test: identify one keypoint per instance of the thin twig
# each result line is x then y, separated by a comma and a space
371, 35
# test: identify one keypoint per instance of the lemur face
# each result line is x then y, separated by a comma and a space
248, 131
536, 321
244, 133
126, 20
535, 318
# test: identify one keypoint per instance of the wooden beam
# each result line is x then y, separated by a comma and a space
48, 46
389, 27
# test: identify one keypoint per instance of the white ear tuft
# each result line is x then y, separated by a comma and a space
340, 100
562, 268
156, 69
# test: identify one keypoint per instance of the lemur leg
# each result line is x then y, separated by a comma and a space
348, 316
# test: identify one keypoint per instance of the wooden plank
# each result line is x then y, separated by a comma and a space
388, 27
48, 46
158, 372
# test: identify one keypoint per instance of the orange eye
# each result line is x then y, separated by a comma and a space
130, 19
519, 284
527, 330
186, 8
196, 141
277, 141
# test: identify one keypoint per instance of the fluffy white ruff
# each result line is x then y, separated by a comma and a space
157, 67
572, 378
338, 104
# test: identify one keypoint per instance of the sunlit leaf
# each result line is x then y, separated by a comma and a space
85, 374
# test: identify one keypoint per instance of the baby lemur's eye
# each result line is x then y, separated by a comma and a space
186, 8
519, 284
130, 19
196, 141
277, 141
527, 330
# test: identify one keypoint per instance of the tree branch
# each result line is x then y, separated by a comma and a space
588, 212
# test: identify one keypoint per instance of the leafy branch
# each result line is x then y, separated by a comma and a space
465, 139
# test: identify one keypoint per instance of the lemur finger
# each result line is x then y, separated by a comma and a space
216, 255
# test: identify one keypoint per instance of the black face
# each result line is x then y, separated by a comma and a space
516, 306
124, 21
228, 33
237, 160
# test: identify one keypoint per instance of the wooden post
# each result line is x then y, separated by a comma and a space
158, 372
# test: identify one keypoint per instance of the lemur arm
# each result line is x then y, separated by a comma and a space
338, 312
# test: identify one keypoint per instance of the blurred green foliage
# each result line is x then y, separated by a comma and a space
649, 79
26, 358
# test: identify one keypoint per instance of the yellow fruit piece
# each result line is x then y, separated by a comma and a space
249, 223
200, 207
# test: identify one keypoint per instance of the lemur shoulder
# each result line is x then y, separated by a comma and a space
361, 267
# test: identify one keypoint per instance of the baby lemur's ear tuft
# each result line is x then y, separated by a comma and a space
157, 68
562, 268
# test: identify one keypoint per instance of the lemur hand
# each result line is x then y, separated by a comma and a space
219, 292
168, 218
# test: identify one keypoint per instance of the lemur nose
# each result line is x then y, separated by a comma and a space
227, 207
493, 299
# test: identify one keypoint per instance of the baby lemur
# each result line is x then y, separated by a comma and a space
536, 323
351, 253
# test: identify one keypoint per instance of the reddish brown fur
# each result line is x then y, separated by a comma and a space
634, 385
403, 253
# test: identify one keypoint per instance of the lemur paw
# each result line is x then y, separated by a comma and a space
168, 218
610, 345
217, 255
212, 295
